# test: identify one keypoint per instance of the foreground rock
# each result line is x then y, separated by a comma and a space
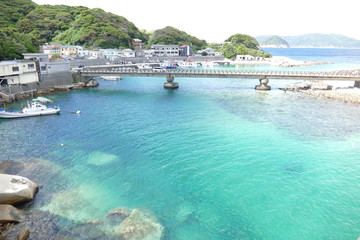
9, 214
15, 189
92, 83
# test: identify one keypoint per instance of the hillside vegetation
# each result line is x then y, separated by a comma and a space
171, 35
79, 26
241, 44
24, 26
13, 10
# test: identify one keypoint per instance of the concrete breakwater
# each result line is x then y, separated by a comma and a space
62, 81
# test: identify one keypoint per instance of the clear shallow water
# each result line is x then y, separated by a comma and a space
213, 159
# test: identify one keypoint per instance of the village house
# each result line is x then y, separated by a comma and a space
83, 53
111, 54
96, 54
137, 44
165, 50
70, 51
46, 66
18, 72
185, 50
128, 53
148, 53
53, 50
244, 58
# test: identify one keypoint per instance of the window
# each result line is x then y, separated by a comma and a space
31, 66
43, 68
15, 69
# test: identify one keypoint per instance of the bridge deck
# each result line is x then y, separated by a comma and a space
223, 73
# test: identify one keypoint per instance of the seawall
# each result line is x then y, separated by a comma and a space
60, 81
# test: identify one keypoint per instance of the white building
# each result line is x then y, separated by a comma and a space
45, 66
18, 72
111, 53
128, 53
96, 54
83, 53
244, 58
165, 50
70, 51
149, 53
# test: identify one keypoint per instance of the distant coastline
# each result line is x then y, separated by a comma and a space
294, 47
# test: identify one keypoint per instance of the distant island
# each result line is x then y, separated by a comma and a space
313, 40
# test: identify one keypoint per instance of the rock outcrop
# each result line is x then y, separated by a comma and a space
92, 83
9, 214
15, 189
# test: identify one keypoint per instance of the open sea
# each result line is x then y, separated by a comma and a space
212, 160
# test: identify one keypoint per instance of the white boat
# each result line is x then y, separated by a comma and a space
111, 78
33, 109
143, 66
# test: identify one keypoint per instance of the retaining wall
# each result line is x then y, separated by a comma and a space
47, 81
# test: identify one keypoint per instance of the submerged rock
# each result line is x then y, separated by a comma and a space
36, 225
140, 225
117, 215
100, 158
16, 189
86, 230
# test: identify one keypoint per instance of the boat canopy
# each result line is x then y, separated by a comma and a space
43, 100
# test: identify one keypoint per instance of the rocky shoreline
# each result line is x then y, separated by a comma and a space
344, 91
21, 221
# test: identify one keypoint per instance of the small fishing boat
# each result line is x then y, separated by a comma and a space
111, 78
32, 109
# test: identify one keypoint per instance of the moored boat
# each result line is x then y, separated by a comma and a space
111, 78
32, 109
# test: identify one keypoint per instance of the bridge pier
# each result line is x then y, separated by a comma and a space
170, 84
263, 84
357, 84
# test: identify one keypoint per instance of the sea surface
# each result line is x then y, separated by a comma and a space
212, 160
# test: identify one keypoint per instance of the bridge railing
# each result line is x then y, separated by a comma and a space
343, 74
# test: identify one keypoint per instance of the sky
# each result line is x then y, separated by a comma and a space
215, 21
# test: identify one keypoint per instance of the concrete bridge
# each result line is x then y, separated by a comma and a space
263, 76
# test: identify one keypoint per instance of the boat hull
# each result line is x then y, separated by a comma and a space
8, 114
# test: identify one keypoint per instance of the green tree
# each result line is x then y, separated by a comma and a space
171, 35
13, 44
241, 44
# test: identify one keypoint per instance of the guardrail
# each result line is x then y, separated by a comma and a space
313, 75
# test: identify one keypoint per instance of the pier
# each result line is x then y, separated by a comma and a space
263, 76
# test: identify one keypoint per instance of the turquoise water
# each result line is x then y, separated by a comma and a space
214, 159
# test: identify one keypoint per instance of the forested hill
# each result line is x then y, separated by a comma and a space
12, 11
171, 35
24, 26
